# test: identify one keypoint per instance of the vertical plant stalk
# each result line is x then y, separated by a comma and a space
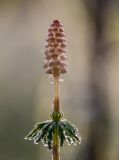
56, 100
56, 109
56, 146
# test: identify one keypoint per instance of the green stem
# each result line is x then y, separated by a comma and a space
56, 146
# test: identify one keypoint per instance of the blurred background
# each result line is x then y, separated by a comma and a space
90, 91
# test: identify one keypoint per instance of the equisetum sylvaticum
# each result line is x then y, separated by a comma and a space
54, 132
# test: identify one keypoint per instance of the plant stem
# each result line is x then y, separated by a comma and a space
56, 147
56, 109
56, 96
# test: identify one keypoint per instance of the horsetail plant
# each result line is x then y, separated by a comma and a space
54, 132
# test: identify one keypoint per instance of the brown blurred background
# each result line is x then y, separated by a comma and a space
90, 91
